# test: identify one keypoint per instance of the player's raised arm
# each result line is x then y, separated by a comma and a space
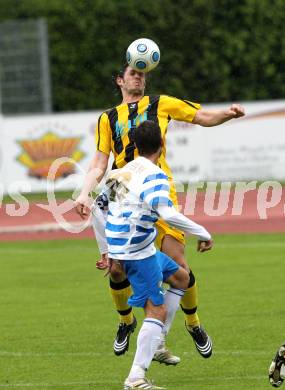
95, 174
98, 165
209, 118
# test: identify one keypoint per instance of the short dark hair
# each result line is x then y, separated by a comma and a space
119, 73
147, 138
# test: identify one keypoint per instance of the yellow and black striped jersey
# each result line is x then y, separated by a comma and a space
114, 131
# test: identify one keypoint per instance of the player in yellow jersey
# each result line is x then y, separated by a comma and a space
114, 133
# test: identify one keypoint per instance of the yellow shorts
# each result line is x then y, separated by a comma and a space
163, 229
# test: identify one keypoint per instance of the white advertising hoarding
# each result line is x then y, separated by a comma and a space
251, 148
2, 148
32, 144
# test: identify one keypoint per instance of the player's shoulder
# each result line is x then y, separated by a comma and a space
107, 117
160, 172
138, 166
143, 167
178, 101
169, 97
162, 100
103, 117
152, 98
153, 173
169, 101
123, 174
108, 111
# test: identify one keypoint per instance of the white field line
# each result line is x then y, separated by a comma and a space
45, 250
52, 354
55, 384
96, 354
23, 251
257, 244
41, 227
92, 382
251, 245
100, 382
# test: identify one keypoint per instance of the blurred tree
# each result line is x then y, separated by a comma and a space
212, 50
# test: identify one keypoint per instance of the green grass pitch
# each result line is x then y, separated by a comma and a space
57, 323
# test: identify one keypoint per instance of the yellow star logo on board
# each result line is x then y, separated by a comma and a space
39, 154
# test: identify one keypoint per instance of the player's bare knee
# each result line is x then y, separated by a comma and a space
161, 313
155, 311
182, 279
185, 279
183, 264
179, 280
117, 274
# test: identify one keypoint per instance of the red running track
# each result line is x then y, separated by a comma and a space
260, 213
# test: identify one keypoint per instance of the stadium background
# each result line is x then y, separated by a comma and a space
55, 329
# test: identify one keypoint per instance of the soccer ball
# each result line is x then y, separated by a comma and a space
143, 55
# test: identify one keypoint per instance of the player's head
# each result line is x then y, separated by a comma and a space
147, 138
129, 81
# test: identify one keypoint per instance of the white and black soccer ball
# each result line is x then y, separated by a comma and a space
143, 55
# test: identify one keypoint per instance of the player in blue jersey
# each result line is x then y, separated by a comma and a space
133, 199
114, 134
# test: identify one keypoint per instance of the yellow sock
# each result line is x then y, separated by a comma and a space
120, 293
189, 303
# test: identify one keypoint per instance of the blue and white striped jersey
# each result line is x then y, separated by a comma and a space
133, 199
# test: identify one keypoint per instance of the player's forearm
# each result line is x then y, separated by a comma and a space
209, 118
95, 173
217, 117
179, 221
92, 179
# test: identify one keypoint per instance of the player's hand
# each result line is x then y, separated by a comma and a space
83, 205
204, 246
236, 111
103, 263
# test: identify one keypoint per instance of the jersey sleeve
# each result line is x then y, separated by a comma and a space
156, 194
179, 221
103, 134
155, 190
99, 219
178, 109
